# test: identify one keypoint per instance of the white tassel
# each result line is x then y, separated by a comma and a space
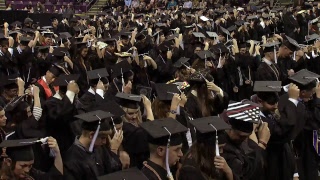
275, 55
95, 136
294, 55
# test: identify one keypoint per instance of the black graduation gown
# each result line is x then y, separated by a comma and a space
79, 164
265, 73
58, 116
190, 171
285, 64
245, 160
86, 102
150, 174
107, 161
52, 174
308, 157
280, 157
135, 143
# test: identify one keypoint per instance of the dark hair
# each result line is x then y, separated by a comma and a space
160, 108
203, 156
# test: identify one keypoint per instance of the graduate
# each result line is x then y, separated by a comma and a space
81, 153
60, 109
280, 157
165, 144
20, 159
203, 160
243, 150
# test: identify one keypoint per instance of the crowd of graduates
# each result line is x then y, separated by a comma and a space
163, 90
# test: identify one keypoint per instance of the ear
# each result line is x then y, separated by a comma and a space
91, 134
7, 162
161, 151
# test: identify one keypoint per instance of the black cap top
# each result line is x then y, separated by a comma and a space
304, 77
267, 86
60, 52
65, 35
19, 150
269, 47
212, 34
291, 44
312, 37
97, 73
224, 30
198, 35
232, 28
158, 131
92, 119
165, 92
25, 39
121, 68
181, 62
204, 54
56, 70
207, 127
112, 107
128, 174
16, 23
129, 100
63, 80
252, 17
9, 81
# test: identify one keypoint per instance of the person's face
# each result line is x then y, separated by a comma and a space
50, 77
55, 22
111, 48
269, 107
221, 38
162, 38
102, 138
11, 93
118, 126
132, 114
197, 49
125, 41
22, 169
3, 118
237, 136
48, 40
243, 51
84, 52
285, 52
175, 154
307, 95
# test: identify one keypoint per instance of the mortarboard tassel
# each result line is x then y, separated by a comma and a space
95, 136
294, 55
169, 174
114, 125
217, 142
275, 55
122, 79
158, 39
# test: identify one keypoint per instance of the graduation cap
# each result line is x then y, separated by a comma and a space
242, 116
13, 32
129, 100
123, 54
161, 130
291, 44
97, 75
212, 34
165, 92
268, 91
172, 37
267, 86
47, 27
144, 90
207, 129
182, 62
121, 69
65, 35
64, 80
25, 40
312, 37
15, 24
28, 20
19, 150
252, 17
43, 48
204, 54
198, 35
232, 28
60, 52
127, 174
55, 70
9, 82
94, 121
28, 30
160, 24
303, 78
270, 47
239, 22
203, 18
220, 49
